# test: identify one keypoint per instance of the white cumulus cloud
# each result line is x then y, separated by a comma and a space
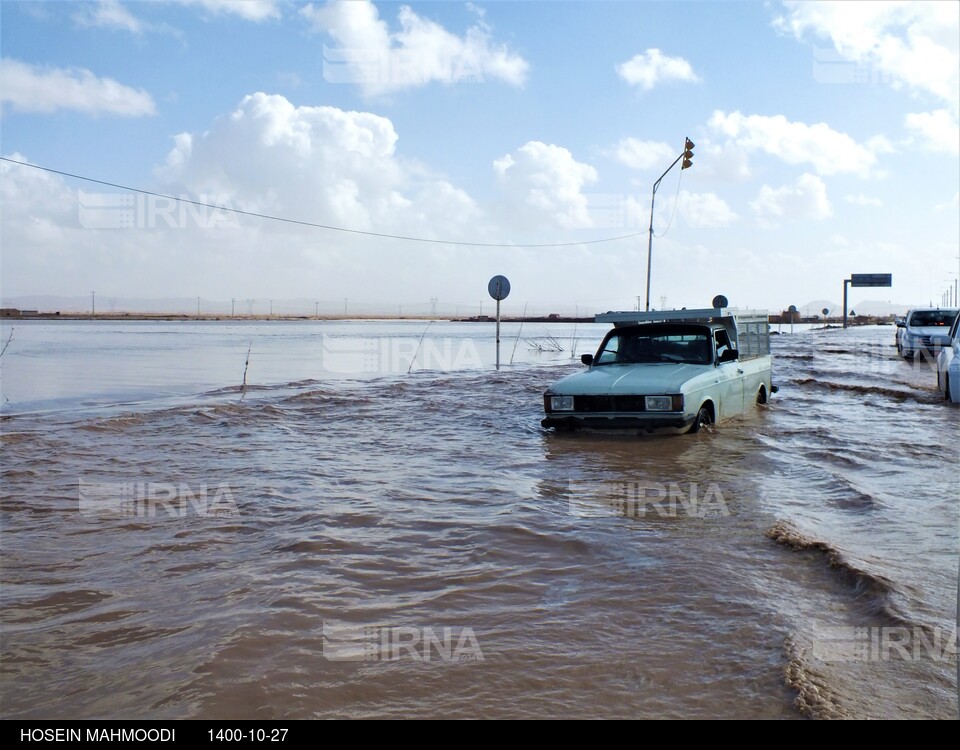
908, 44
36, 88
807, 199
35, 201
698, 210
108, 14
704, 210
547, 184
827, 150
652, 67
318, 164
421, 52
250, 10
938, 130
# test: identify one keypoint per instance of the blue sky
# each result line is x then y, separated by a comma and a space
827, 144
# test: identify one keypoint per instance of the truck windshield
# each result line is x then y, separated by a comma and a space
642, 347
933, 317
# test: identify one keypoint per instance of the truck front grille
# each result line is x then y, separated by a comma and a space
601, 404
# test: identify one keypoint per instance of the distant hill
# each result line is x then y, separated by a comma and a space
814, 307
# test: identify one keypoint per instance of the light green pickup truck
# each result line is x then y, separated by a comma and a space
668, 371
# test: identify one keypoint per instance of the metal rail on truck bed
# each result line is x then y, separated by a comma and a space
749, 330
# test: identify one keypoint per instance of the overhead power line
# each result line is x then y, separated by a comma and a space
315, 225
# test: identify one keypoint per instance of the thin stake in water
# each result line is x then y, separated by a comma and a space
418, 346
243, 385
9, 339
517, 341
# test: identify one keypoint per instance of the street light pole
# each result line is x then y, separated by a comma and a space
686, 156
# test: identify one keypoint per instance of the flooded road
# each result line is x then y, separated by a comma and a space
348, 538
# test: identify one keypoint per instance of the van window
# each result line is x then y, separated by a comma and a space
932, 318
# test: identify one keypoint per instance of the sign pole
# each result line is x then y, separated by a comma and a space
857, 280
498, 288
846, 285
498, 334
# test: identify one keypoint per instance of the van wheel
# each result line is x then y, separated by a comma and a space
946, 383
704, 419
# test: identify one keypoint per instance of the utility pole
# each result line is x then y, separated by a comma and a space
198, 307
687, 157
316, 309
344, 307
233, 307
93, 304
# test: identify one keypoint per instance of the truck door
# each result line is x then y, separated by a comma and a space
730, 378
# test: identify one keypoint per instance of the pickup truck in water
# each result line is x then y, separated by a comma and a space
669, 371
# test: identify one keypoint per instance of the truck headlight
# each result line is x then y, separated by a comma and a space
663, 403
657, 403
561, 403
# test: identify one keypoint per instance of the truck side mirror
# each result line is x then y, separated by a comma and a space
587, 359
729, 355
901, 324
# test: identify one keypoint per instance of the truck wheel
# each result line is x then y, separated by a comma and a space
762, 395
703, 420
946, 383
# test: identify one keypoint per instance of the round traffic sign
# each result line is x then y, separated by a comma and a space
499, 287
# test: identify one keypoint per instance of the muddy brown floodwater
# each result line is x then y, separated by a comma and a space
384, 544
